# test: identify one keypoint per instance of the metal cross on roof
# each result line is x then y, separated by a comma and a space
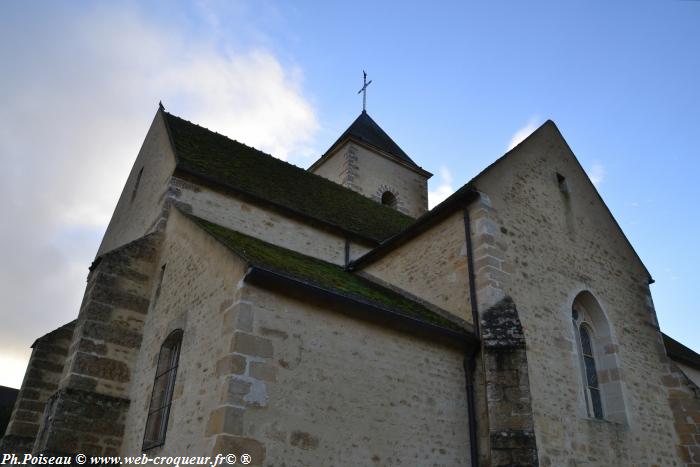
364, 90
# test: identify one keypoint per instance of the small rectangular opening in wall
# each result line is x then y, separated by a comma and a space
563, 186
136, 185
160, 284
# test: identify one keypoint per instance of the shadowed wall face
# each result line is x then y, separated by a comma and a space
8, 396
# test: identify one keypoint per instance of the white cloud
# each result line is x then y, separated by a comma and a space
443, 190
597, 174
523, 132
13, 366
250, 97
76, 104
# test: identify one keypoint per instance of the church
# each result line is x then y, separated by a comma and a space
242, 305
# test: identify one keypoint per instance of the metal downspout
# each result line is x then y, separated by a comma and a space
470, 357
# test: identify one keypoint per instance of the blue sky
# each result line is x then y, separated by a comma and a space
453, 83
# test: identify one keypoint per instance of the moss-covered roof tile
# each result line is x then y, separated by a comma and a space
204, 153
326, 276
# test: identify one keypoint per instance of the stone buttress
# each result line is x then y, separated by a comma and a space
86, 413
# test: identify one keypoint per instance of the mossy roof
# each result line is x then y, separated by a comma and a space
318, 273
214, 157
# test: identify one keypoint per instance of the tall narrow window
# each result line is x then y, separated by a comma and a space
162, 395
591, 373
602, 378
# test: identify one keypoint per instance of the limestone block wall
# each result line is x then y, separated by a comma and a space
288, 381
555, 240
138, 211
340, 167
432, 266
306, 385
40, 382
258, 222
684, 400
200, 280
371, 174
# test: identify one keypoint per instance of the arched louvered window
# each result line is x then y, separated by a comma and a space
591, 374
162, 395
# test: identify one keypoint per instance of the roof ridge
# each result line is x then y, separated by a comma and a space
224, 136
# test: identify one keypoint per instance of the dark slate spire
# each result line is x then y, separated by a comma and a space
366, 130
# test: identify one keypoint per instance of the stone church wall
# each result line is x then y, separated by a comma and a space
684, 400
258, 222
199, 282
557, 240
432, 266
340, 167
319, 387
290, 382
138, 211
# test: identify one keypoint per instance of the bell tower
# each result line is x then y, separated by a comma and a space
366, 160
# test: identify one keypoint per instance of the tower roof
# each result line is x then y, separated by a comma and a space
365, 130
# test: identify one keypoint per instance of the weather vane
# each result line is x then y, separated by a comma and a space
364, 91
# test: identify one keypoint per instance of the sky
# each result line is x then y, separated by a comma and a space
456, 84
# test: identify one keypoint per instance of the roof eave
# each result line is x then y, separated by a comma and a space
267, 278
681, 353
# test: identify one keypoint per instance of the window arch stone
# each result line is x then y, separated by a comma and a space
598, 361
388, 196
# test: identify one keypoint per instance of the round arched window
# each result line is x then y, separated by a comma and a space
389, 199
